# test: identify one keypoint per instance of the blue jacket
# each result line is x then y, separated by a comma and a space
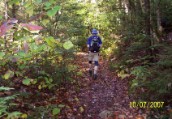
92, 37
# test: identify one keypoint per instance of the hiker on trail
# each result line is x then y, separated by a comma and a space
94, 44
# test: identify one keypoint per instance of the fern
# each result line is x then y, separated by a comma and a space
4, 105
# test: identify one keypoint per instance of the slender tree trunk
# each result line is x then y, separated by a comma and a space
159, 27
142, 6
14, 10
148, 27
147, 18
6, 18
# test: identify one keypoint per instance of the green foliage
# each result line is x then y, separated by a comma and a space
56, 111
26, 82
2, 54
43, 59
2, 88
46, 111
5, 104
53, 12
68, 45
139, 54
8, 74
140, 72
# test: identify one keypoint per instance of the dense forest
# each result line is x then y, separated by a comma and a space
43, 59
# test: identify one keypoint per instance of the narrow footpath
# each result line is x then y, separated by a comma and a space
104, 98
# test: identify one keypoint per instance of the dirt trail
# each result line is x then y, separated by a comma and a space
101, 98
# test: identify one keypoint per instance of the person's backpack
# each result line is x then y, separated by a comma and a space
95, 44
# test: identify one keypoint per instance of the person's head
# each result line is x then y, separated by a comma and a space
94, 32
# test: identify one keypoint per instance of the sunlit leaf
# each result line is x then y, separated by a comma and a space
2, 54
50, 41
24, 116
56, 111
14, 2
39, 87
27, 3
68, 45
33, 81
53, 12
26, 82
9, 74
82, 11
45, 22
29, 10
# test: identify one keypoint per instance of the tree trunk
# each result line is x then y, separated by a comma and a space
147, 18
159, 27
148, 28
14, 10
6, 18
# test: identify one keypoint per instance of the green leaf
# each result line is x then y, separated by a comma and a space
27, 4
29, 10
14, 115
47, 5
2, 54
34, 47
57, 8
9, 74
24, 116
134, 83
68, 45
1, 17
39, 87
45, 22
14, 2
50, 41
53, 12
26, 82
56, 111
5, 88
21, 54
38, 2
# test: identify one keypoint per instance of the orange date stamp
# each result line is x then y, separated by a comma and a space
135, 104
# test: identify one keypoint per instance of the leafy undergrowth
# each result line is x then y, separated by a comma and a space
105, 98
84, 98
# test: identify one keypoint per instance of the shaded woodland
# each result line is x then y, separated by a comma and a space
39, 64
